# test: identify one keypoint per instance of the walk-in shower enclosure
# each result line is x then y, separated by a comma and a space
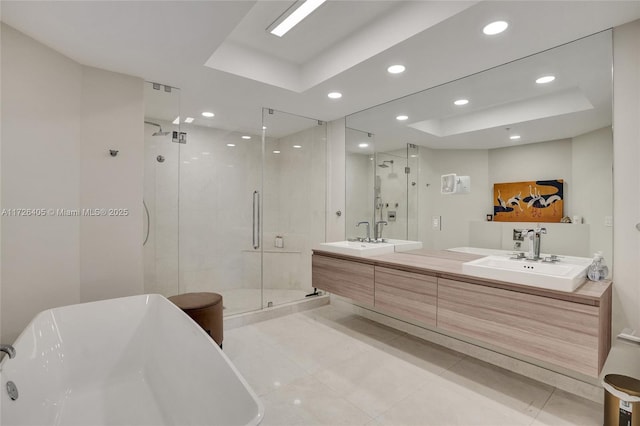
232, 212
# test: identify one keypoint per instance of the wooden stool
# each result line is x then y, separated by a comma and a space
205, 309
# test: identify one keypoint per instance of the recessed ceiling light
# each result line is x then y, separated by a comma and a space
363, 145
246, 137
514, 137
231, 144
297, 146
495, 27
335, 95
402, 117
461, 102
264, 127
396, 69
188, 120
294, 17
276, 152
177, 120
205, 153
545, 79
208, 114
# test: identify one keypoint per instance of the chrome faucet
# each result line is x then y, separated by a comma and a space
368, 230
377, 230
9, 350
534, 241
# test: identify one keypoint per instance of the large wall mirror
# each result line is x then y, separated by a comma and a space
511, 129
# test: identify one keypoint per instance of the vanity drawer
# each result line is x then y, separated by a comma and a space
557, 331
406, 294
343, 277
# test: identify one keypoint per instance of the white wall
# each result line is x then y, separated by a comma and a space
456, 210
111, 246
336, 138
626, 176
41, 108
58, 124
591, 184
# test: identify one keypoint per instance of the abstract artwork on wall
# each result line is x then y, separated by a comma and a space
535, 201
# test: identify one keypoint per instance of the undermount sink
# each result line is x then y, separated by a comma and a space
364, 249
565, 275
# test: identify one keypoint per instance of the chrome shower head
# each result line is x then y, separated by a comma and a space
384, 165
159, 132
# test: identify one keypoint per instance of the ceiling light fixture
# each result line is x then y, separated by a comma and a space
246, 137
297, 146
276, 152
292, 16
335, 95
208, 114
188, 120
402, 117
461, 102
177, 120
363, 145
514, 137
231, 144
495, 27
545, 79
396, 69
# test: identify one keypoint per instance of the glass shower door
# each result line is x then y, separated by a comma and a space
294, 203
220, 201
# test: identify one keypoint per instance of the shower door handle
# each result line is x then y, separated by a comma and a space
256, 220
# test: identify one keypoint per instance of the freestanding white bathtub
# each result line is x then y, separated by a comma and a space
131, 361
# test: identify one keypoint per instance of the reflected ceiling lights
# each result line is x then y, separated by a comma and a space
208, 114
495, 27
363, 145
177, 120
335, 95
396, 69
514, 137
461, 102
231, 144
276, 152
545, 79
188, 120
293, 16
297, 146
402, 118
246, 137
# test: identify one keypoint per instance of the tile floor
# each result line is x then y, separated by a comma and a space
330, 367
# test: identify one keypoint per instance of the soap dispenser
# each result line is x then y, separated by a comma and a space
598, 269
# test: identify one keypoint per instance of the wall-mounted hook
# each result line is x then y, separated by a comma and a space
113, 152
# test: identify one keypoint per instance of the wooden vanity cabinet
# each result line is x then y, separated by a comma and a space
343, 277
561, 332
570, 330
406, 294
